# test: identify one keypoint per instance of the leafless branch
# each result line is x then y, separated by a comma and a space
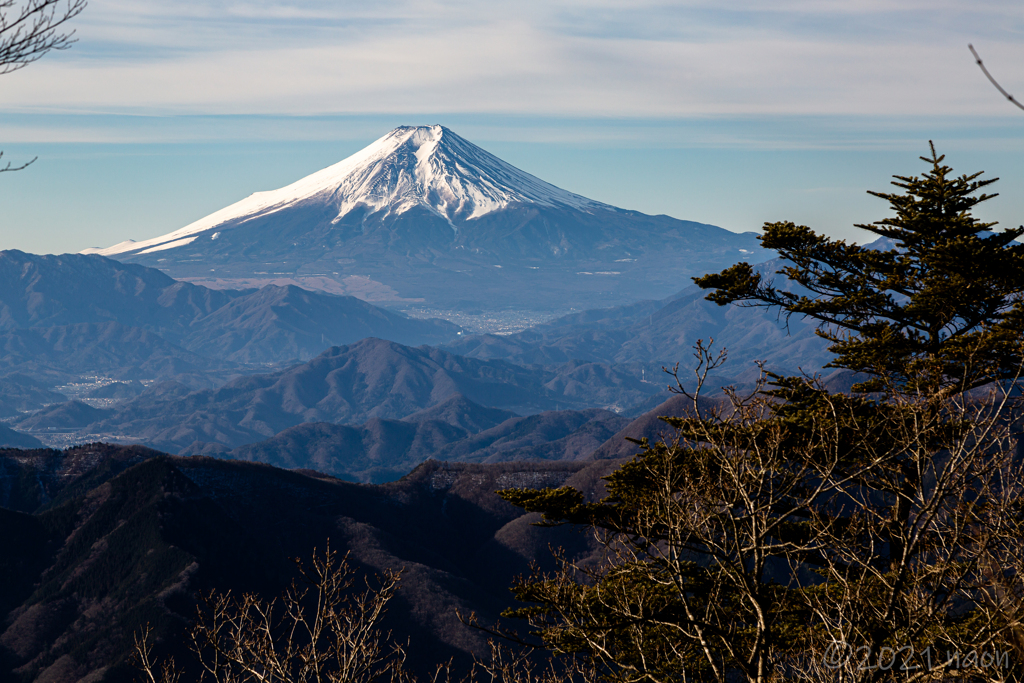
758, 540
10, 167
992, 80
30, 30
322, 630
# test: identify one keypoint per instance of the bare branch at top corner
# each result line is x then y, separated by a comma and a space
992, 80
30, 29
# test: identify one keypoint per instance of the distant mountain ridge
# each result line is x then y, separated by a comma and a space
423, 214
10, 438
658, 334
381, 450
21, 393
352, 384
86, 314
109, 349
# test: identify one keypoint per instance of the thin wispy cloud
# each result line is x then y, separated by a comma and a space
568, 58
676, 107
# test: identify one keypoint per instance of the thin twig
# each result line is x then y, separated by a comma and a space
992, 80
9, 167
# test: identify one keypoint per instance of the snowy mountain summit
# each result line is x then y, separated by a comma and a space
412, 166
425, 216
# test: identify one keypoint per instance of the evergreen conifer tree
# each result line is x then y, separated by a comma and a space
938, 308
800, 534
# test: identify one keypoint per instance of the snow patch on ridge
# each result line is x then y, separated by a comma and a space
127, 245
425, 166
170, 245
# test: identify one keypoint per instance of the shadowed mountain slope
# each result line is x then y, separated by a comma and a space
650, 425
10, 438
118, 390
376, 451
133, 545
461, 412
109, 349
68, 415
36, 480
384, 450
277, 323
20, 393
47, 291
344, 385
551, 435
656, 334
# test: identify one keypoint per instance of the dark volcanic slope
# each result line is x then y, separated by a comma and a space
549, 258
120, 547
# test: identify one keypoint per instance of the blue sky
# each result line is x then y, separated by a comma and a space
732, 113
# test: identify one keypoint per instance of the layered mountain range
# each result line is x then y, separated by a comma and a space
344, 385
424, 216
195, 349
265, 407
76, 314
385, 450
658, 334
100, 540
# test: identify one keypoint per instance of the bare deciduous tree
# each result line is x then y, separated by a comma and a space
795, 534
701, 534
511, 664
921, 548
321, 631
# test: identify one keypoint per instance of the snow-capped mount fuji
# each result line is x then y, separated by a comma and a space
411, 167
423, 214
